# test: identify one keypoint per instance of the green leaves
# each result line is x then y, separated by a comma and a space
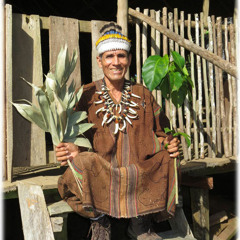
171, 78
56, 102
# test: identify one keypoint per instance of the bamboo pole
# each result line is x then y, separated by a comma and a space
218, 61
200, 98
206, 4
234, 87
138, 50
205, 82
211, 88
180, 115
153, 44
229, 80
144, 38
219, 142
222, 108
172, 108
195, 133
165, 51
158, 46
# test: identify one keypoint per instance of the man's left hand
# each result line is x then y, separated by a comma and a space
172, 146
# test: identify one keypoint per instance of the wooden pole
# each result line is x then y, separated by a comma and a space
138, 50
206, 4
216, 60
122, 16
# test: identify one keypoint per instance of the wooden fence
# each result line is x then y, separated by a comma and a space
210, 118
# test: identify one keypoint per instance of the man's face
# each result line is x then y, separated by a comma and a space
114, 64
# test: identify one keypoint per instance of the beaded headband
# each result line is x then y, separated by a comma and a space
112, 39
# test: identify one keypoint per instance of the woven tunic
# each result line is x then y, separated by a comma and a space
127, 174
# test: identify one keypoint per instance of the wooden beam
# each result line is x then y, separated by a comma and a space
122, 16
206, 4
209, 56
197, 182
218, 218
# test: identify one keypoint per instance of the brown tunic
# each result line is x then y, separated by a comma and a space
127, 174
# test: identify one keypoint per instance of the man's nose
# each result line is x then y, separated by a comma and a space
115, 60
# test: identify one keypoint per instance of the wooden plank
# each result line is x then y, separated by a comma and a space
65, 31
218, 218
200, 210
97, 72
197, 182
34, 214
9, 81
58, 208
122, 15
229, 232
28, 140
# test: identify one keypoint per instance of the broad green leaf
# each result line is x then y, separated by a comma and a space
176, 80
79, 93
53, 129
186, 136
168, 130
164, 86
79, 129
31, 113
154, 70
178, 59
77, 117
179, 96
185, 71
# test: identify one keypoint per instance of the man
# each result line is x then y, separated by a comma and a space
129, 174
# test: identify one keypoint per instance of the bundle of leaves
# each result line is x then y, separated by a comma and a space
171, 77
55, 113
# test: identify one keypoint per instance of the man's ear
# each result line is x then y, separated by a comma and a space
129, 59
99, 61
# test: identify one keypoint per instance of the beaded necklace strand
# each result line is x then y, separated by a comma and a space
125, 110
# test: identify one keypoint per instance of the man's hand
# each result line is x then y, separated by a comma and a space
66, 151
171, 146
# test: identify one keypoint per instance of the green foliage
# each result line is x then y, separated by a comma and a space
56, 101
171, 77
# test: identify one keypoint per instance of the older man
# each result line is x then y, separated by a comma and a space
129, 174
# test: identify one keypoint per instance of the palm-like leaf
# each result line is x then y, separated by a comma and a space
56, 102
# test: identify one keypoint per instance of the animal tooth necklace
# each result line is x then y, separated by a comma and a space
124, 109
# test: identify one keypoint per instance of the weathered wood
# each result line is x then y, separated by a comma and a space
9, 97
229, 112
212, 93
218, 61
122, 15
200, 210
222, 108
57, 224
97, 72
58, 208
218, 117
199, 91
28, 139
194, 107
206, 90
65, 31
229, 232
138, 50
218, 218
234, 87
158, 46
205, 10
34, 214
197, 182
144, 38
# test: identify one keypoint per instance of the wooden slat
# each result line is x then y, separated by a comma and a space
9, 86
206, 90
65, 31
97, 73
229, 108
218, 218
34, 214
212, 93
138, 50
144, 38
192, 60
29, 146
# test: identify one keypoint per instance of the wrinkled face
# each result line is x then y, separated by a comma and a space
114, 64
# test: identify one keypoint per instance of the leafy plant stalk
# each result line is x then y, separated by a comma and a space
55, 111
172, 78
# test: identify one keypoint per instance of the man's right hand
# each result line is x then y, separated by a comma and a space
66, 151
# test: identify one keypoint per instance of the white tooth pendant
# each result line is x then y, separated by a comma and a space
105, 117
124, 126
133, 117
116, 126
102, 109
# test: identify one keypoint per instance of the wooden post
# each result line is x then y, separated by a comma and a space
122, 20
138, 50
206, 4
200, 210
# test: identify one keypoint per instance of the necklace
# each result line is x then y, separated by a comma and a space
120, 113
